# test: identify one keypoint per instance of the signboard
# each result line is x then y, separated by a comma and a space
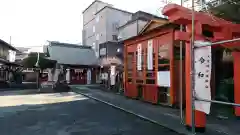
139, 57
104, 76
150, 55
163, 78
202, 77
113, 70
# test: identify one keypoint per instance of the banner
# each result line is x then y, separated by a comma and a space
139, 57
150, 55
202, 68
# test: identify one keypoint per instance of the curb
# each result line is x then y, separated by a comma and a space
130, 112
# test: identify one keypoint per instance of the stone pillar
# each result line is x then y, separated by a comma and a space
50, 76
89, 76
68, 76
56, 73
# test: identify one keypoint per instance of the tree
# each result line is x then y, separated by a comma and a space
44, 62
226, 9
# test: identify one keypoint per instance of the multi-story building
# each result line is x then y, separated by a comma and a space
135, 25
100, 24
125, 31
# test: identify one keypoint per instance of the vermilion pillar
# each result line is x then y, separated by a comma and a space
236, 68
180, 15
200, 117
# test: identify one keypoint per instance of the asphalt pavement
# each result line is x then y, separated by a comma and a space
68, 114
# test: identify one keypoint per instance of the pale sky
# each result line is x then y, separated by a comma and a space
33, 22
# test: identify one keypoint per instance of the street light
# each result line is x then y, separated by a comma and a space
118, 50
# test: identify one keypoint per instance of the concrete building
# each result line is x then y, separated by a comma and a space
111, 50
130, 29
135, 25
100, 24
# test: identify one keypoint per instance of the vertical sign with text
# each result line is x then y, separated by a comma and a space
202, 68
139, 57
150, 55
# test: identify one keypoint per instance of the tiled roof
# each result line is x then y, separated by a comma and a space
71, 54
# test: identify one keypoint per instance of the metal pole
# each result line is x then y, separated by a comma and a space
180, 77
37, 66
204, 44
217, 102
192, 69
10, 40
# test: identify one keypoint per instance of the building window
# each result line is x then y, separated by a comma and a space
97, 18
115, 37
103, 51
94, 29
97, 37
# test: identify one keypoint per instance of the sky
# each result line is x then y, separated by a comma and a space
31, 23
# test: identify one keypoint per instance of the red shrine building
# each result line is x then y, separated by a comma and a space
142, 81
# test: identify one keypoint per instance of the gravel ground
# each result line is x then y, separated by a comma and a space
68, 114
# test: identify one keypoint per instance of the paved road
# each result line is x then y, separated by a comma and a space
67, 114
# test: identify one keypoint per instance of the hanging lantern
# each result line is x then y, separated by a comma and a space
227, 56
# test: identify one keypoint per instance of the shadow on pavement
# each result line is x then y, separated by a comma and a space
165, 116
81, 117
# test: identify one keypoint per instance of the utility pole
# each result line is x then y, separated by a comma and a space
10, 40
38, 71
181, 76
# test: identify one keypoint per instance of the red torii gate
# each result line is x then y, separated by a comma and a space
222, 30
